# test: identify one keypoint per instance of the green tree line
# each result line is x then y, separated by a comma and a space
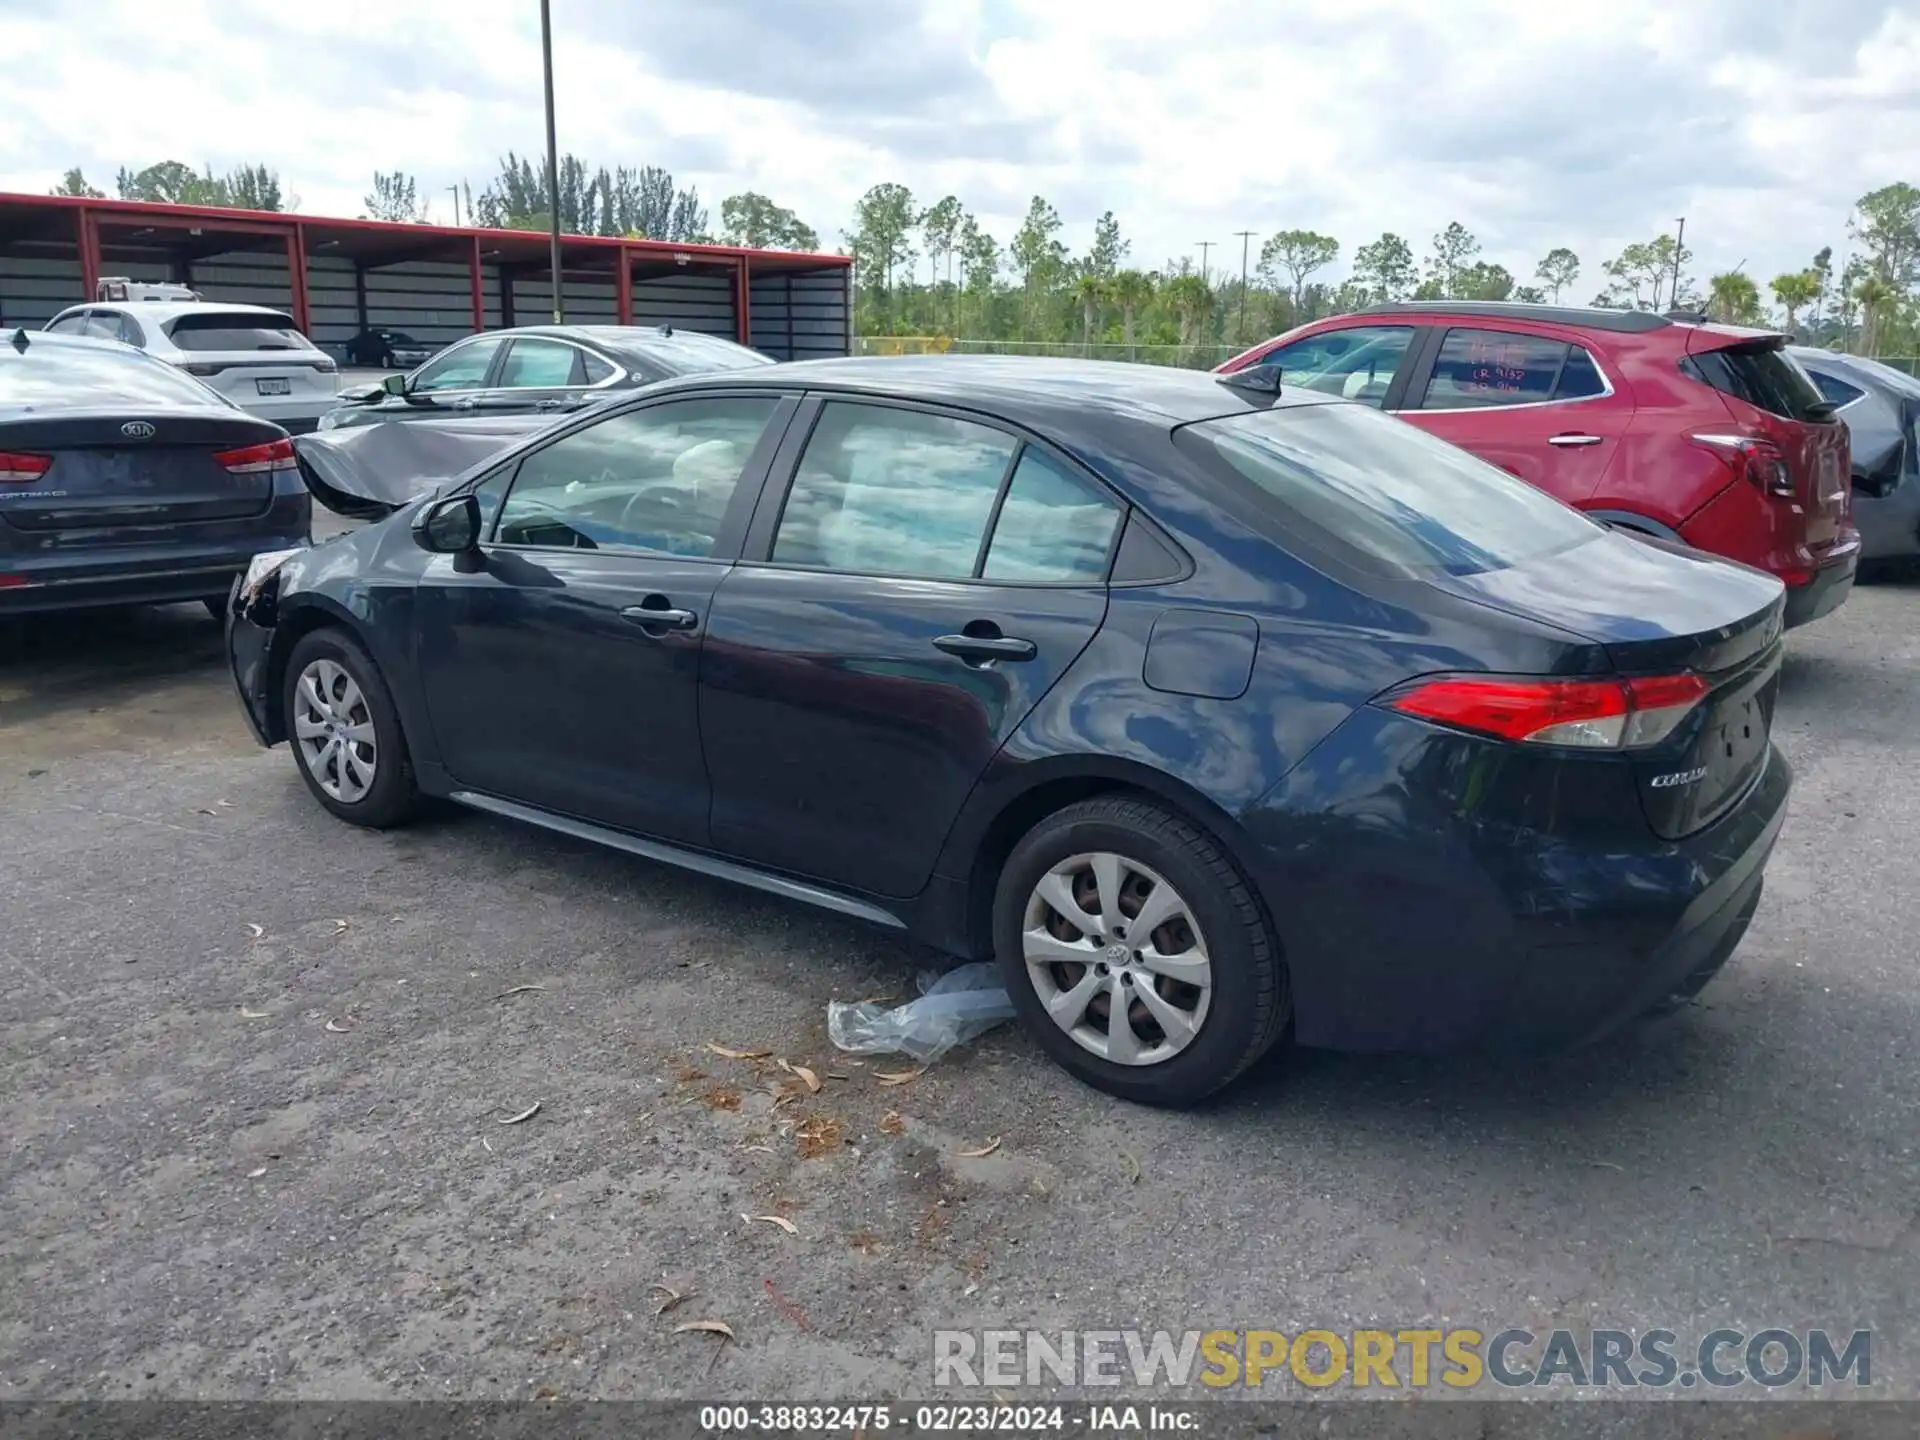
933, 270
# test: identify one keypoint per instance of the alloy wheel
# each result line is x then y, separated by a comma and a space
334, 730
1117, 958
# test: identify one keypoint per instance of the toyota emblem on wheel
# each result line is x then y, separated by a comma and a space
137, 430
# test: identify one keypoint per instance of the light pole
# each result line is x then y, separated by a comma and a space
1246, 237
454, 190
1679, 243
553, 163
1205, 246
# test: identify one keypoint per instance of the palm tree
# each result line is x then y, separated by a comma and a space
1794, 290
1876, 295
1192, 299
1733, 298
1132, 291
1091, 292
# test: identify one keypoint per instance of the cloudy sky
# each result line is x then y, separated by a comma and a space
1535, 124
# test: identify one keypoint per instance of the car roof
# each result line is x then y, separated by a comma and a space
164, 310
1022, 386
1856, 367
1587, 317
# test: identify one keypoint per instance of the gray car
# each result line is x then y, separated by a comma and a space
125, 482
1881, 406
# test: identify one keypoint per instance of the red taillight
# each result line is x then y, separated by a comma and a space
1761, 462
252, 459
17, 469
1613, 714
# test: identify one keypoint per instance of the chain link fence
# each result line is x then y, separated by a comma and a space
1184, 357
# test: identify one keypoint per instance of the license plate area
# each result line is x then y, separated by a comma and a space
274, 386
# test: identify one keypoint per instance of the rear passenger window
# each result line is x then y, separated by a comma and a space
1479, 368
1053, 528
893, 492
1761, 373
594, 368
540, 365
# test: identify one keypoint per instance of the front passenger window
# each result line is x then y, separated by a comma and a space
462, 368
1358, 363
658, 479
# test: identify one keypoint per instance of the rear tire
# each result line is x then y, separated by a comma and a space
1207, 965
344, 731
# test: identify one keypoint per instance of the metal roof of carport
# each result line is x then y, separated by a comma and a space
105, 229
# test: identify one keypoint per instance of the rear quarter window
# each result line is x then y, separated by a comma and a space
1763, 376
231, 330
1386, 497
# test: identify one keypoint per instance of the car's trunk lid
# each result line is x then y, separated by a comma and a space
128, 470
1660, 609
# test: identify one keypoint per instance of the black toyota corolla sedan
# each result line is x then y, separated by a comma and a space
1215, 713
123, 481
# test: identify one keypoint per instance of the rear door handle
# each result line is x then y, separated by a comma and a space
660, 617
1573, 441
979, 649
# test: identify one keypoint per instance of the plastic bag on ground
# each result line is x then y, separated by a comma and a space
952, 1009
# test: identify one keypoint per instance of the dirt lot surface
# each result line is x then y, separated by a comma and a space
258, 1066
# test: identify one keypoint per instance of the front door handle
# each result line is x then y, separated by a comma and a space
983, 649
660, 617
1573, 441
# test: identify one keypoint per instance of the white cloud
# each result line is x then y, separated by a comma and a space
1590, 123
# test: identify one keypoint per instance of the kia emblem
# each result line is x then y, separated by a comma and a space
137, 430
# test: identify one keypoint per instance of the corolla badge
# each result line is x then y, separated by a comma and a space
1679, 777
137, 430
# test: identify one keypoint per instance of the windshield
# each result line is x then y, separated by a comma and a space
236, 330
1394, 499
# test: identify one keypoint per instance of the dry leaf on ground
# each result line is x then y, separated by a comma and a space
246, 1014
893, 1123
337, 1028
803, 1074
728, 1052
817, 1135
780, 1220
256, 931
518, 990
897, 1077
526, 1114
706, 1327
669, 1298
981, 1153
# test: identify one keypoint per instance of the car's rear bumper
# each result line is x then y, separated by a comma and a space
146, 579
1469, 902
1826, 592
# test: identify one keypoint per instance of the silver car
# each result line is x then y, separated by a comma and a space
1881, 406
254, 356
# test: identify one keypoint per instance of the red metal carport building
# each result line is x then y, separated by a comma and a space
438, 283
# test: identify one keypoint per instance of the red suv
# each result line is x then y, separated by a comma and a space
1705, 434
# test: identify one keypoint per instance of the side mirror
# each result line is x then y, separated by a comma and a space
394, 384
450, 526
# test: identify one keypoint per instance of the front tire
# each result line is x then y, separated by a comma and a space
1136, 952
344, 731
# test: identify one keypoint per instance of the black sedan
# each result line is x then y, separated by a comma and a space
1214, 713
386, 348
539, 369
124, 481
1881, 407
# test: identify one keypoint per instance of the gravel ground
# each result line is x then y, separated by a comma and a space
256, 1065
